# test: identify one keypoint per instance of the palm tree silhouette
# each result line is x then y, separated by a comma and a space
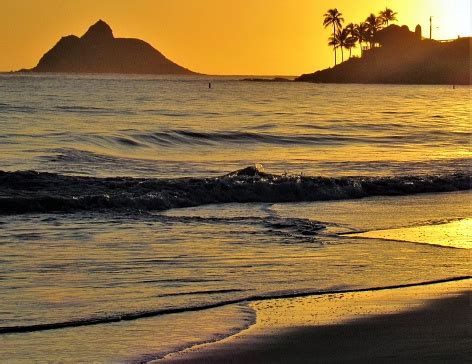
387, 15
342, 39
333, 17
373, 25
333, 41
359, 32
350, 43
353, 32
352, 29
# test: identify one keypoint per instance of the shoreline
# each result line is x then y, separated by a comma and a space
427, 322
237, 78
250, 301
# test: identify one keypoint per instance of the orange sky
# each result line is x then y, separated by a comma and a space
258, 37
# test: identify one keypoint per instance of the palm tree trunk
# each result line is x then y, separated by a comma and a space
334, 47
342, 54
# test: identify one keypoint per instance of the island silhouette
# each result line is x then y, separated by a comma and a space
98, 51
392, 54
403, 57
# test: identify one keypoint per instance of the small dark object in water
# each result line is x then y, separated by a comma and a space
209, 85
251, 171
276, 79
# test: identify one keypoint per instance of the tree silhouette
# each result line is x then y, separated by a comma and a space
333, 41
352, 29
350, 43
365, 32
362, 33
387, 16
353, 37
373, 25
343, 40
333, 17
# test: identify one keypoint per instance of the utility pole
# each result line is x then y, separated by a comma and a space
430, 27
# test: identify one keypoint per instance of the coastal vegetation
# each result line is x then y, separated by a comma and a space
362, 33
392, 54
333, 17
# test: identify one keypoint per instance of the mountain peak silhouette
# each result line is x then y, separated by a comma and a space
99, 31
98, 51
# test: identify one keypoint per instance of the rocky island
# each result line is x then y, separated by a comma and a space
403, 57
98, 51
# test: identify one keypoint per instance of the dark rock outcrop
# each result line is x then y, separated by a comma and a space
275, 79
98, 51
402, 58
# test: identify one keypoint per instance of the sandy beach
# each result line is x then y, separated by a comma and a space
427, 323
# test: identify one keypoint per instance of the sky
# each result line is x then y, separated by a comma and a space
233, 37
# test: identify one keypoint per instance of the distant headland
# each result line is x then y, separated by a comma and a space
392, 54
98, 51
402, 58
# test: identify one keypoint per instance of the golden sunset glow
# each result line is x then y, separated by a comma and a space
251, 181
213, 36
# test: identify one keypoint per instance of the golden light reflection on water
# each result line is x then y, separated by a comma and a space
456, 234
291, 128
125, 342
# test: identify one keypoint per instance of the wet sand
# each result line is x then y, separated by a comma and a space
430, 323
455, 234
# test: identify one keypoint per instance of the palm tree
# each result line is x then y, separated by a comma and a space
333, 17
363, 31
342, 39
353, 37
373, 25
358, 32
334, 42
387, 15
350, 43
353, 31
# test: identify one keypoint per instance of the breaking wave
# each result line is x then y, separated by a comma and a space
38, 192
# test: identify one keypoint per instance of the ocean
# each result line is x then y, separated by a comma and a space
131, 225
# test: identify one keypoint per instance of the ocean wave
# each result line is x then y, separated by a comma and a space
322, 136
191, 137
131, 316
92, 110
40, 192
24, 109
